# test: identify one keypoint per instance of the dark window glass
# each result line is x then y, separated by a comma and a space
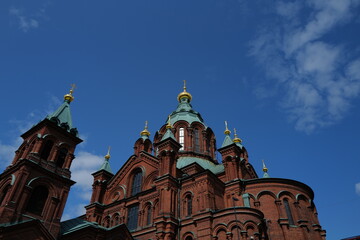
133, 217
148, 216
288, 212
37, 200
61, 157
136, 184
46, 150
188, 238
197, 140
189, 205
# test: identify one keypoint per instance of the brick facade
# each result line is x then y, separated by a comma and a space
170, 188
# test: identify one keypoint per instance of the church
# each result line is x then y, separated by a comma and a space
171, 188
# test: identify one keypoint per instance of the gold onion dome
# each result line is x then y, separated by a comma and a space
145, 132
236, 139
227, 131
69, 97
184, 94
107, 156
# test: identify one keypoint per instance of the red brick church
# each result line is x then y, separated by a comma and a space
171, 188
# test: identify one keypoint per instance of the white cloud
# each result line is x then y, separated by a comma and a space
25, 23
82, 167
357, 188
7, 153
319, 78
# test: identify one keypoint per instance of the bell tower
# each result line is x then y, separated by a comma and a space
37, 182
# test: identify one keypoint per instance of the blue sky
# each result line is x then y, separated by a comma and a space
286, 74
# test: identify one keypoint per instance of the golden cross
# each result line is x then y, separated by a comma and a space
73, 86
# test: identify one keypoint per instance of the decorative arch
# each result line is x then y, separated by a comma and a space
303, 197
188, 236
149, 180
46, 181
219, 227
106, 222
115, 220
283, 193
265, 192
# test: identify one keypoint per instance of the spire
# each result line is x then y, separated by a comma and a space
227, 141
168, 133
237, 140
69, 97
145, 133
266, 175
106, 165
184, 94
62, 116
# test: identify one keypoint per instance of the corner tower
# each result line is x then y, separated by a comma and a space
35, 186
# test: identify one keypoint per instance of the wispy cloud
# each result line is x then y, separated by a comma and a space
25, 23
320, 78
357, 188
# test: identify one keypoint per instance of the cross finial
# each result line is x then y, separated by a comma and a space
107, 156
146, 124
227, 131
264, 166
184, 85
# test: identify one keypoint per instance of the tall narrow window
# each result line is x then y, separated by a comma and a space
136, 184
133, 217
288, 211
197, 140
46, 150
188, 205
37, 200
148, 215
61, 157
182, 138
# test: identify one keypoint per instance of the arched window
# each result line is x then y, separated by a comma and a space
3, 194
188, 238
116, 220
196, 140
61, 157
188, 201
37, 200
182, 138
136, 183
46, 149
149, 215
288, 211
132, 222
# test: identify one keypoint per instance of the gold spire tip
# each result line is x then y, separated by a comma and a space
107, 156
265, 169
69, 97
227, 131
184, 94
145, 131
168, 125
236, 139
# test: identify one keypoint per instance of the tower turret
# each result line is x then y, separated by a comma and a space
38, 181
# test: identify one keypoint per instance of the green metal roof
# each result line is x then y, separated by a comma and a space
75, 224
206, 164
106, 166
186, 113
62, 117
227, 141
168, 134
